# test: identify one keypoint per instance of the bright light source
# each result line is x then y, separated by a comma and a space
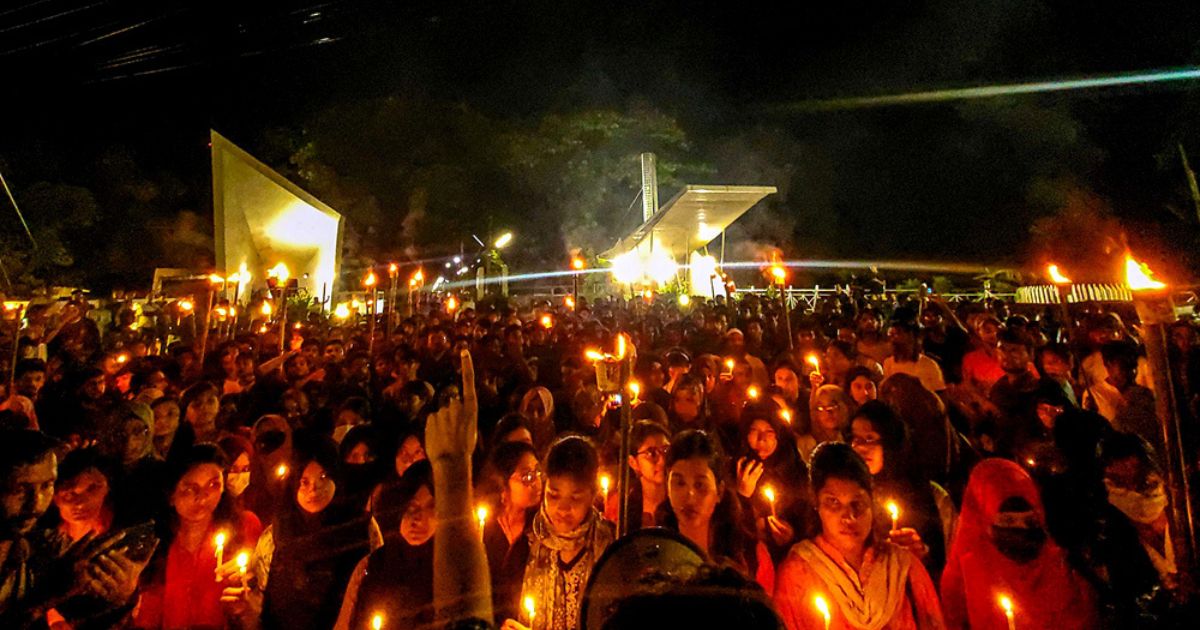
266, 309
393, 268
458, 260
186, 306
1056, 276
280, 272
684, 300
1139, 277
342, 311
504, 240
370, 280
215, 279
577, 263
660, 267
627, 268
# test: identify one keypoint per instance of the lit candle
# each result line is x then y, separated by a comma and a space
769, 493
243, 561
785, 415
814, 362
894, 510
1007, 604
530, 609
752, 392
282, 471
377, 622
729, 366
547, 321
605, 484
823, 608
219, 542
634, 389
481, 515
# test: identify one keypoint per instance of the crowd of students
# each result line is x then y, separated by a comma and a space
881, 464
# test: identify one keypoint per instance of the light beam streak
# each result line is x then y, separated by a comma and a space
1190, 73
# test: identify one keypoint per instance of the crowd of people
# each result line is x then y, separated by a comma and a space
870, 463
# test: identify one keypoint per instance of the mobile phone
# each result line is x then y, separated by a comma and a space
138, 542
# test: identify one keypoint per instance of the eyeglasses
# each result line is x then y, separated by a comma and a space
653, 453
861, 441
530, 478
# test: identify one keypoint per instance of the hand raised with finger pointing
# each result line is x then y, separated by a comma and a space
452, 430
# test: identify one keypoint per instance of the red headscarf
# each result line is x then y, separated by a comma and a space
1045, 592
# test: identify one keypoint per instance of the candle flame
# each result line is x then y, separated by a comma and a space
814, 361
729, 364
122, 358
481, 514
451, 304
894, 510
282, 471
634, 388
219, 540
547, 321
377, 622
243, 560
1056, 276
769, 493
530, 607
1006, 603
605, 483
785, 415
419, 276
570, 302
266, 308
393, 268
822, 607
1139, 277
262, 330
752, 392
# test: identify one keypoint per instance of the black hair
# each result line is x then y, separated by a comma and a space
1015, 336
1120, 445
394, 497
25, 366
573, 457
508, 423
24, 447
835, 460
359, 405
893, 434
1121, 352
191, 394
78, 461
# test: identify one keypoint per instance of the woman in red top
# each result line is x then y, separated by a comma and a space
864, 581
180, 587
1001, 549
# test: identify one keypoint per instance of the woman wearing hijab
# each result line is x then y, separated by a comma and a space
538, 407
768, 459
1001, 549
269, 467
303, 561
865, 582
127, 438
829, 410
396, 580
927, 511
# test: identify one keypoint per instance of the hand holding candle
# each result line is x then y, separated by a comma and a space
814, 362
219, 543
605, 484
243, 561
530, 609
377, 622
481, 515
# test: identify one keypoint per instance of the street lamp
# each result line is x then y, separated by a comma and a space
503, 240
578, 265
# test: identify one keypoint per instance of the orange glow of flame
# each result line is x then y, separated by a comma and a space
1139, 277
729, 363
634, 388
620, 346
779, 273
752, 392
530, 607
266, 309
577, 264
894, 510
785, 415
370, 280
451, 304
570, 302
215, 279
605, 484
481, 515
547, 321
377, 622
219, 541
393, 268
222, 312
419, 276
243, 560
1056, 275
822, 607
814, 362
186, 305
593, 355
122, 358
1006, 603
282, 471
262, 330
769, 493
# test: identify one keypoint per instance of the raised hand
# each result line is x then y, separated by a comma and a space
749, 471
452, 430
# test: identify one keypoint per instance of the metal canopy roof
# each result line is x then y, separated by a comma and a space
692, 219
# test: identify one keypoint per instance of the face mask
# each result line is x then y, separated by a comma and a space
1139, 507
236, 483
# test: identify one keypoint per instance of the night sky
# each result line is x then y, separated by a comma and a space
962, 180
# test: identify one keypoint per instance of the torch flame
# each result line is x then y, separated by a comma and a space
370, 280
1139, 277
1056, 276
779, 273
481, 515
451, 304
547, 321
577, 264
279, 272
620, 346
593, 355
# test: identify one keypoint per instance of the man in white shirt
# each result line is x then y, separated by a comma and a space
907, 358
